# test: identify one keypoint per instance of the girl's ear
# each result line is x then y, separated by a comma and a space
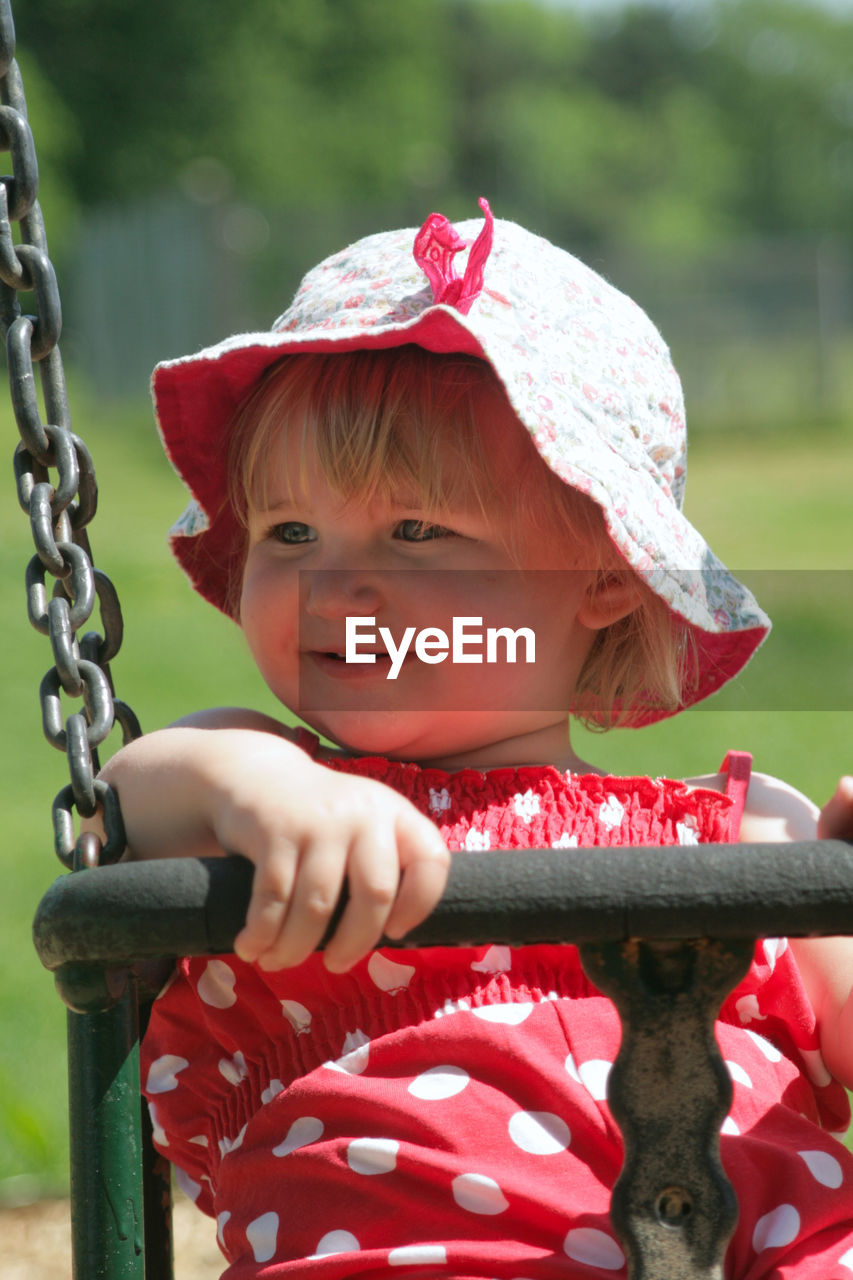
609, 597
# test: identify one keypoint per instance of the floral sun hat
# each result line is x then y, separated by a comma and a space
583, 367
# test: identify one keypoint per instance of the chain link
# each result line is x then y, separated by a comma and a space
59, 508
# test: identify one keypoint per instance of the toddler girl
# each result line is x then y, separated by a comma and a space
411, 445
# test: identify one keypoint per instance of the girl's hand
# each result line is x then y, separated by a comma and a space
305, 840
836, 816
202, 792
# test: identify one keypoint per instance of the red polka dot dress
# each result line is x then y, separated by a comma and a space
443, 1112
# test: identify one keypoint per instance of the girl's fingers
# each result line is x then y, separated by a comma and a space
425, 863
271, 891
373, 876
836, 817
396, 866
316, 889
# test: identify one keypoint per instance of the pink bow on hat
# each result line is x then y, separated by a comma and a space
435, 246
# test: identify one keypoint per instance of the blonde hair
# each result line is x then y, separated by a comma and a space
406, 417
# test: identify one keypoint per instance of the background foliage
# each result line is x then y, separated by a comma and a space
650, 125
196, 157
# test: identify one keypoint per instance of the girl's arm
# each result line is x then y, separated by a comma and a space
235, 782
776, 812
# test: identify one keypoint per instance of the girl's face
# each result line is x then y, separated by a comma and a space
315, 560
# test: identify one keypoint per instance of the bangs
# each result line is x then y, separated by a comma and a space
378, 423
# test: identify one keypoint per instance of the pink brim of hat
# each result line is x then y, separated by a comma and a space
583, 368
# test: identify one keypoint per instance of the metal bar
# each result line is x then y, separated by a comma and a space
157, 1201
115, 915
106, 1142
673, 1207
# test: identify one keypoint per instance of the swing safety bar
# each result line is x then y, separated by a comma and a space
664, 933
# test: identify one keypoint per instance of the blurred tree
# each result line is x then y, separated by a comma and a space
767, 142
649, 126
135, 79
781, 74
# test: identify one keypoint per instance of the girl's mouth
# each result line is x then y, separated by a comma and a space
334, 665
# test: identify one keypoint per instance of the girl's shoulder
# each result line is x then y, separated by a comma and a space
774, 811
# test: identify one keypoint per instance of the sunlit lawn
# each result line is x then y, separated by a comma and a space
762, 506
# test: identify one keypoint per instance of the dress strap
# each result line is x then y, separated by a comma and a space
308, 741
738, 767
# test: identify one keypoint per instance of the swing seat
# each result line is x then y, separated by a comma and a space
666, 938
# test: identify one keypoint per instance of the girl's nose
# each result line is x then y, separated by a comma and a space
340, 593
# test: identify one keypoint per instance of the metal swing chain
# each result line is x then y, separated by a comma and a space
60, 508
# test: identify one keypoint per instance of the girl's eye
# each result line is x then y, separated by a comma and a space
421, 531
293, 533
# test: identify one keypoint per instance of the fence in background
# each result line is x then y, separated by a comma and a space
761, 332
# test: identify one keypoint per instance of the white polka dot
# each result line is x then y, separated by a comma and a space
157, 1131
372, 1155
302, 1133
774, 948
439, 1082
336, 1242
190, 1188
729, 1126
846, 1259
611, 813
476, 841
571, 1067
479, 1194
686, 833
273, 1089
200, 1140
216, 985
748, 1010
595, 1248
539, 1132
737, 1073
262, 1234
823, 1167
439, 800
387, 974
594, 1074
227, 1145
356, 1054
816, 1067
769, 1050
234, 1069
221, 1222
163, 1073
297, 1015
413, 1255
512, 1015
526, 806
565, 841
453, 1006
777, 1228
495, 960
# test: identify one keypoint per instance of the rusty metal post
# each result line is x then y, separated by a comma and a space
669, 1091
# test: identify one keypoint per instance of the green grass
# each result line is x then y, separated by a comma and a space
760, 505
